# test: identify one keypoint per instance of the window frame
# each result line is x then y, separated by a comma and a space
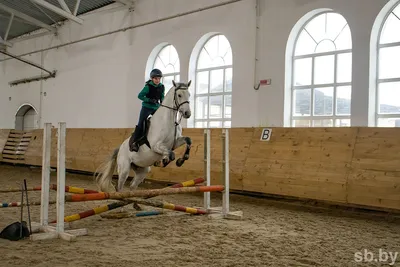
208, 120
173, 74
379, 81
313, 118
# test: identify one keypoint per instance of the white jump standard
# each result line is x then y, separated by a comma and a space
224, 211
43, 230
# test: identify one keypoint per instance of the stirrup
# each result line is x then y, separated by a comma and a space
134, 147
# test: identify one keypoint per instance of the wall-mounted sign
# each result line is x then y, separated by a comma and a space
266, 134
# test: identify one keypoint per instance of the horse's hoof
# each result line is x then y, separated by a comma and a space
180, 162
188, 141
157, 164
165, 162
171, 156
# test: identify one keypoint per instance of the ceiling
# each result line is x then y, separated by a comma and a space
31, 15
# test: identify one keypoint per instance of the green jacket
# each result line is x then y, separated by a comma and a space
150, 90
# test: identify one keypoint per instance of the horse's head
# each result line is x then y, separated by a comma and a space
182, 98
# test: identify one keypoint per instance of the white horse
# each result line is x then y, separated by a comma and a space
163, 136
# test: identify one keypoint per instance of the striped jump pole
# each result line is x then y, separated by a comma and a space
147, 202
94, 211
115, 205
147, 213
11, 204
68, 189
18, 204
74, 190
18, 189
143, 193
188, 183
170, 206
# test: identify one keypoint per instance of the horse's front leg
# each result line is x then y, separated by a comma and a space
162, 149
179, 142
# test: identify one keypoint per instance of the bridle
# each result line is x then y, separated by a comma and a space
176, 108
176, 104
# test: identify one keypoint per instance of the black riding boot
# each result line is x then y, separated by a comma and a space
133, 145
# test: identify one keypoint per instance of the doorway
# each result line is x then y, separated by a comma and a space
26, 118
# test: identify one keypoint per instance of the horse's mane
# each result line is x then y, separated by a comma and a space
180, 85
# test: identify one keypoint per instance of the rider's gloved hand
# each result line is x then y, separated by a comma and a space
154, 101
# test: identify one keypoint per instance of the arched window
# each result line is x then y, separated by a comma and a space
213, 88
167, 61
321, 81
388, 74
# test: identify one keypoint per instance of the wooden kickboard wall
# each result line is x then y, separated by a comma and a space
354, 165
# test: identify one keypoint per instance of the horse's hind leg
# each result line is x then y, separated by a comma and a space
140, 175
123, 173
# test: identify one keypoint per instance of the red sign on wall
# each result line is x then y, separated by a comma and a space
265, 82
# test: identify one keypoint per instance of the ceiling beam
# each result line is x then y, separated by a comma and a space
78, 2
9, 27
27, 18
64, 6
17, 19
126, 2
58, 11
26, 61
28, 37
5, 42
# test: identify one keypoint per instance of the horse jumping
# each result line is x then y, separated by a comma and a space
164, 135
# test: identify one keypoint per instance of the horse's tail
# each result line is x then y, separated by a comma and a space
105, 171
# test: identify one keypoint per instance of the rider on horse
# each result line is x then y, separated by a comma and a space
152, 95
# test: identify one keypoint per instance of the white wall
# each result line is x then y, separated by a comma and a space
98, 80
